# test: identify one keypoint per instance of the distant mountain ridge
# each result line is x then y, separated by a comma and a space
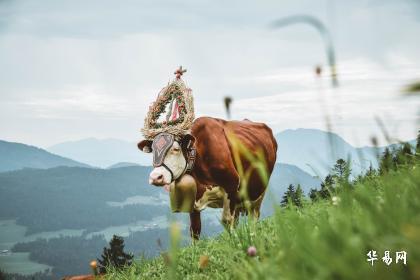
14, 156
122, 164
312, 150
101, 152
315, 151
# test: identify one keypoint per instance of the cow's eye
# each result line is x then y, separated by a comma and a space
176, 149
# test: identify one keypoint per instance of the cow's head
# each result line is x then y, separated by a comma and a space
169, 157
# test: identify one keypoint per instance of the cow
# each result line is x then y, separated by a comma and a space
214, 170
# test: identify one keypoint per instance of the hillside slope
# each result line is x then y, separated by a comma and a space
327, 239
16, 156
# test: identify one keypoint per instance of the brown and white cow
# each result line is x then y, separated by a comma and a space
215, 170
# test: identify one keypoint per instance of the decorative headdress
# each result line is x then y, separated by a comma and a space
180, 114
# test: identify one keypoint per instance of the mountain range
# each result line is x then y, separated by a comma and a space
316, 151
14, 156
312, 150
101, 152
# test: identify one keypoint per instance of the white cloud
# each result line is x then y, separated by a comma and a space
367, 91
91, 69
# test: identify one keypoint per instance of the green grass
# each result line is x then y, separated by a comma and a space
322, 240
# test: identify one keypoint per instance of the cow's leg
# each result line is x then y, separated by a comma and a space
229, 181
230, 215
195, 225
227, 217
256, 207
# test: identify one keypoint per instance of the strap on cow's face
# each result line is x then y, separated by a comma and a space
160, 147
170, 171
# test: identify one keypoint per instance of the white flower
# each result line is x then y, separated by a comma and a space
335, 200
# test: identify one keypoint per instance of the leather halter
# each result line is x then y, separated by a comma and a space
190, 156
160, 147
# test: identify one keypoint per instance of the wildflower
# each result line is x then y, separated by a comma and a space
93, 266
203, 262
252, 251
318, 70
335, 200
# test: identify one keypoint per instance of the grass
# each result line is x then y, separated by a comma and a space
322, 240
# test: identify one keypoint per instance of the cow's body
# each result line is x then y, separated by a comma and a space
215, 164
215, 171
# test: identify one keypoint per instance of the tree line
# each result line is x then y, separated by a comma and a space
391, 160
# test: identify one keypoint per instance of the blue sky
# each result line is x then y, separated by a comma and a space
78, 69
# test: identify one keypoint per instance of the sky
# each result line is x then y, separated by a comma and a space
77, 69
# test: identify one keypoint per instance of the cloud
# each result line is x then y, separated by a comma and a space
81, 69
79, 104
366, 91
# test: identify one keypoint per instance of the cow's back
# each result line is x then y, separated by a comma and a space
256, 137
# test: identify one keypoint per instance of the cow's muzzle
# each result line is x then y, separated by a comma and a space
156, 179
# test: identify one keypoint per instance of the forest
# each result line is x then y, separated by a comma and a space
45, 200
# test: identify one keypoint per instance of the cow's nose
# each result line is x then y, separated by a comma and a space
156, 179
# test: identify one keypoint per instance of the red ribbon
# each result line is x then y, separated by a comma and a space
175, 111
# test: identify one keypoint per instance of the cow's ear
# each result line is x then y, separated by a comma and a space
145, 146
188, 140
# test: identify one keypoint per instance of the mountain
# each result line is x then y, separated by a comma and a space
312, 150
15, 156
101, 152
285, 174
316, 151
122, 164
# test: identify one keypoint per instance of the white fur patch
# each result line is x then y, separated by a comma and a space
227, 217
212, 198
175, 161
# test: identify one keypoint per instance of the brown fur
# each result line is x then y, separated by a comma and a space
214, 164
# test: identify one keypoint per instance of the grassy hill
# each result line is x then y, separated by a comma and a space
16, 156
326, 239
